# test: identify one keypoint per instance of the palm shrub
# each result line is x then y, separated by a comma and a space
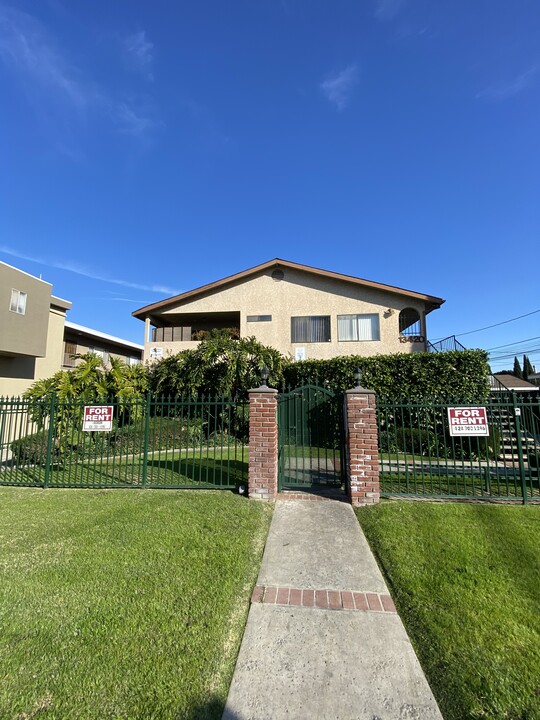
67, 392
219, 366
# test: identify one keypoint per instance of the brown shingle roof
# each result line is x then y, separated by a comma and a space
514, 383
435, 302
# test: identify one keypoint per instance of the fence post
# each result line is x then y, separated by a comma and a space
517, 420
263, 443
146, 437
50, 440
362, 454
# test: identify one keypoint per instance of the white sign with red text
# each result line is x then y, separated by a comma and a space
98, 418
468, 421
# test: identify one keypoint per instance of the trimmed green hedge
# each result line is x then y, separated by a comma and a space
460, 375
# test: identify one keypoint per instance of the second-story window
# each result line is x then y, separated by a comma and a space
103, 354
18, 302
310, 329
358, 328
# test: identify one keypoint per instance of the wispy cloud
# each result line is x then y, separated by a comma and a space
138, 54
388, 9
338, 88
87, 272
504, 91
25, 47
51, 79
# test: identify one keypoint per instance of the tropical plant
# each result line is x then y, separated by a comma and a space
67, 392
219, 365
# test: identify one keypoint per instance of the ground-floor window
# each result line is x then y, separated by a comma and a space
310, 329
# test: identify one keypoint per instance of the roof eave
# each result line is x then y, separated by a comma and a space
431, 301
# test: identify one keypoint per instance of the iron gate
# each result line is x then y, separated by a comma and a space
310, 438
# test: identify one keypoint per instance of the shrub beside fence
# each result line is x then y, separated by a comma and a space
154, 442
419, 458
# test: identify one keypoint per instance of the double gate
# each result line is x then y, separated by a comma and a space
310, 439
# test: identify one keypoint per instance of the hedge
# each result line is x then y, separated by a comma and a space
454, 375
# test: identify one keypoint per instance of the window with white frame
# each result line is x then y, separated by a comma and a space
18, 302
103, 354
310, 329
358, 328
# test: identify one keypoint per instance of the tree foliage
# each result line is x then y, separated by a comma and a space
517, 371
219, 365
68, 391
527, 367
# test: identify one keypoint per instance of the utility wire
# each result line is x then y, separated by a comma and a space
517, 342
509, 356
488, 327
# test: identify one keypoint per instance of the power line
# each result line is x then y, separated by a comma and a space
509, 356
488, 327
517, 342
530, 347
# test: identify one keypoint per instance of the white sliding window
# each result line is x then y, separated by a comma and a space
358, 328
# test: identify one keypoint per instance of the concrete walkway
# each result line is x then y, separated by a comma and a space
323, 639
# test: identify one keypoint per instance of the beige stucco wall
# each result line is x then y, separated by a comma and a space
23, 334
18, 373
299, 294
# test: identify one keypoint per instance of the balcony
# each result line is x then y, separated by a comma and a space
184, 332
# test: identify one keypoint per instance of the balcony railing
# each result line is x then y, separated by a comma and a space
185, 333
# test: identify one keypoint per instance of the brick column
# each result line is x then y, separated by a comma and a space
362, 447
263, 444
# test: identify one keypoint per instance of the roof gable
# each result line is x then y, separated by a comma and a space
432, 301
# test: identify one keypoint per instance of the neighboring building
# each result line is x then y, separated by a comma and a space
301, 311
505, 381
31, 330
36, 340
79, 340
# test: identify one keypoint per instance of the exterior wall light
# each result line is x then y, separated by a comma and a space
265, 374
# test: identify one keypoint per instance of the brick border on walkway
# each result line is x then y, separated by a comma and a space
324, 599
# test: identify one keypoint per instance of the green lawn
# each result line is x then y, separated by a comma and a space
447, 484
123, 604
466, 581
209, 467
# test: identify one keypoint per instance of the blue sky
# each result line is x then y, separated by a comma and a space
149, 148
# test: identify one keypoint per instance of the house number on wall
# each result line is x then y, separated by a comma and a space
411, 338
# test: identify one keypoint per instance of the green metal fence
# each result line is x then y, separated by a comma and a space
153, 443
420, 458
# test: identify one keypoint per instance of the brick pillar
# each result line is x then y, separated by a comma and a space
362, 447
263, 444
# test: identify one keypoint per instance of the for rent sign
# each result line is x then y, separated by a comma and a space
98, 418
468, 421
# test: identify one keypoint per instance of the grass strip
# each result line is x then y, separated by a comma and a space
466, 581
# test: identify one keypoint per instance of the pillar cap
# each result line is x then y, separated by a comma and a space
360, 391
263, 389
